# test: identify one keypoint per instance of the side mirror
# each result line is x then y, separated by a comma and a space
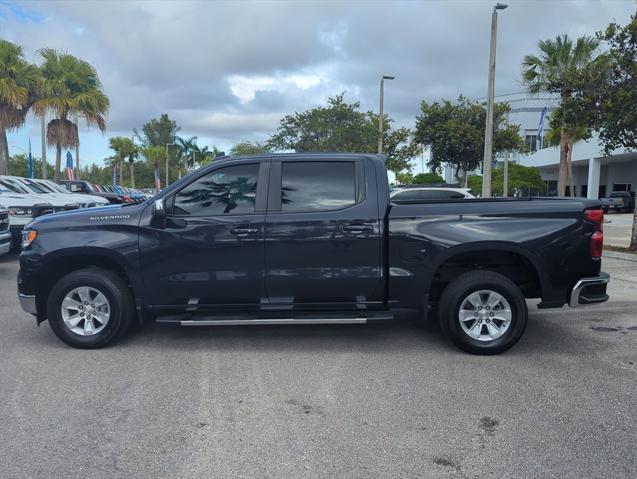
159, 209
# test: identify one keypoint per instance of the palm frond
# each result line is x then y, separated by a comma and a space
62, 132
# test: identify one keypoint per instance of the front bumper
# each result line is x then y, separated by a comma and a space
27, 301
16, 236
589, 291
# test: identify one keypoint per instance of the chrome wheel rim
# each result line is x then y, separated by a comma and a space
85, 311
485, 315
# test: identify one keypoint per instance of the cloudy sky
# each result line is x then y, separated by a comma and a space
228, 71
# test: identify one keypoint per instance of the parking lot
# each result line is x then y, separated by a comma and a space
618, 228
381, 400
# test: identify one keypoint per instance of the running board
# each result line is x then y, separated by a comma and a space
212, 320
243, 322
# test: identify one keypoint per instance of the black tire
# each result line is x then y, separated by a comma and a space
112, 287
459, 289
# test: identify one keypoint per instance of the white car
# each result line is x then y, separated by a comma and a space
428, 193
23, 206
84, 199
36, 187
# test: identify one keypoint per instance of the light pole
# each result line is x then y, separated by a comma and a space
167, 145
380, 115
488, 133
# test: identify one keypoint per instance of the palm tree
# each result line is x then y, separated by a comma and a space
186, 149
18, 79
132, 156
69, 86
574, 134
125, 149
556, 70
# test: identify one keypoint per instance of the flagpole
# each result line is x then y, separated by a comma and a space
77, 147
30, 160
43, 134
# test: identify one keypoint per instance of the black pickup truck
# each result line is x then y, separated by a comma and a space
309, 238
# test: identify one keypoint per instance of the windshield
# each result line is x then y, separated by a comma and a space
53, 186
13, 186
33, 186
620, 194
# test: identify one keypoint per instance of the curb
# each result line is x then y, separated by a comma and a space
619, 255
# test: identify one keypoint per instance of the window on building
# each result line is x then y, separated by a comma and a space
531, 142
621, 186
602, 191
584, 190
551, 188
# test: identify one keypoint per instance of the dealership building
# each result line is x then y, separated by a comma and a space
594, 173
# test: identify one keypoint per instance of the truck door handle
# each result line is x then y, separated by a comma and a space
357, 228
243, 231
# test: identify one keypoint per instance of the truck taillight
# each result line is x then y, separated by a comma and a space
597, 244
597, 239
596, 217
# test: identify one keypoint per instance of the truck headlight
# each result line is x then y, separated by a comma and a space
17, 211
28, 236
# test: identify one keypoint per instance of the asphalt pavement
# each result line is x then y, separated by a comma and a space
617, 229
378, 400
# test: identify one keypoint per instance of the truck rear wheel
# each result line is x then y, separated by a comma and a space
88, 308
483, 312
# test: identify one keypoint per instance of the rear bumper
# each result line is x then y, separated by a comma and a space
27, 301
589, 291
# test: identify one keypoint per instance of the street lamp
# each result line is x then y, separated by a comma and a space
380, 115
167, 145
488, 133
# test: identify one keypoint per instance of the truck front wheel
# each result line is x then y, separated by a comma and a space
88, 308
483, 312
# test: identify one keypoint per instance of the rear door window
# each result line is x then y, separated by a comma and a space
318, 185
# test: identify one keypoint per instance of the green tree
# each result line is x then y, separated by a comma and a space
428, 179
613, 102
341, 126
455, 133
155, 157
523, 181
405, 177
398, 146
205, 155
69, 86
125, 149
18, 80
19, 166
186, 151
248, 148
559, 68
574, 133
160, 131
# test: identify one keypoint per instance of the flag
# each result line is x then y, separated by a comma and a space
30, 161
69, 166
157, 178
540, 127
